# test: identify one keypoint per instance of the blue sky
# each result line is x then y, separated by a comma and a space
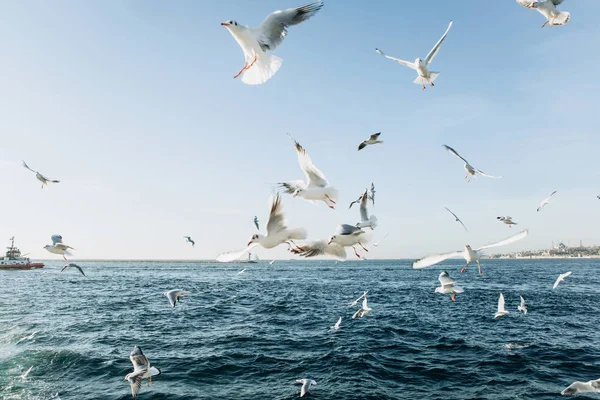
133, 107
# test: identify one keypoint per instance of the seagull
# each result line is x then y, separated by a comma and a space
355, 302
345, 236
548, 9
507, 220
242, 271
561, 278
256, 223
189, 240
141, 370
363, 310
501, 310
422, 66
468, 253
447, 286
316, 188
582, 387
457, 219
522, 307
358, 201
259, 66
468, 167
337, 324
58, 247
306, 385
39, 176
372, 195
271, 262
277, 232
546, 201
27, 337
175, 295
24, 375
371, 140
366, 221
71, 265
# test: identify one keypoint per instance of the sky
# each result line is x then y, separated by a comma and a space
133, 107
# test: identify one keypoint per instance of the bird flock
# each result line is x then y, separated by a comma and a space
260, 66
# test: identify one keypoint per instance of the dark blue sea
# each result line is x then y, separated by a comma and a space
250, 336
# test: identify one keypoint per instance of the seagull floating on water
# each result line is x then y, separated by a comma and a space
141, 370
306, 385
366, 221
259, 66
422, 66
548, 9
457, 219
316, 188
522, 307
373, 139
546, 201
277, 232
175, 295
582, 387
501, 310
189, 240
507, 220
561, 278
363, 310
337, 324
71, 265
447, 286
468, 253
468, 167
58, 247
39, 176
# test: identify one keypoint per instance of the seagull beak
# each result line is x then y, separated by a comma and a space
294, 195
224, 24
328, 243
249, 243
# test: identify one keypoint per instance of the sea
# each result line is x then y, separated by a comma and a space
250, 335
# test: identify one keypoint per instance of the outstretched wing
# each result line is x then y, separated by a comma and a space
501, 303
436, 48
435, 258
79, 268
526, 3
557, 2
512, 239
291, 186
484, 174
457, 219
313, 174
375, 136
445, 279
56, 239
546, 201
273, 29
345, 229
362, 145
256, 223
364, 213
234, 255
451, 150
277, 221
135, 381
399, 61
320, 248
522, 301
27, 166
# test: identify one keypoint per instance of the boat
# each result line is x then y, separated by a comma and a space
14, 260
250, 259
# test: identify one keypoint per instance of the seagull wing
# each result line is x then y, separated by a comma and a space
525, 3
27, 166
362, 145
451, 150
457, 219
138, 359
546, 201
445, 279
354, 202
313, 174
501, 303
522, 301
560, 278
65, 267
273, 29
291, 186
480, 172
234, 255
399, 61
345, 229
135, 381
557, 2
79, 268
375, 136
364, 213
436, 48
319, 248
56, 239
435, 258
256, 223
277, 221
514, 238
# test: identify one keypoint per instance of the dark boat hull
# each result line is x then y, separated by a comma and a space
21, 266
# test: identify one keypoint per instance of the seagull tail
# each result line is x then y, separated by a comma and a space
263, 69
332, 193
374, 221
155, 371
458, 289
422, 80
297, 234
562, 18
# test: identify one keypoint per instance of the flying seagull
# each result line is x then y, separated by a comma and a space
372, 193
175, 295
371, 140
189, 240
561, 278
27, 337
256, 223
277, 232
468, 253
468, 167
457, 219
345, 236
39, 176
316, 188
507, 220
501, 310
306, 385
548, 9
522, 307
337, 324
366, 220
422, 66
141, 370
58, 247
447, 286
546, 201
71, 265
363, 310
582, 387
259, 66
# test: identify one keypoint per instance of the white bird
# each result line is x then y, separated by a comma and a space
507, 220
337, 324
58, 247
259, 66
457, 219
468, 167
468, 253
277, 232
316, 188
422, 66
447, 286
345, 236
24, 375
582, 387
373, 139
546, 201
141, 370
501, 310
366, 221
363, 310
242, 271
29, 337
355, 302
71, 265
561, 278
522, 307
548, 9
39, 176
189, 240
306, 385
175, 295
256, 223
271, 262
